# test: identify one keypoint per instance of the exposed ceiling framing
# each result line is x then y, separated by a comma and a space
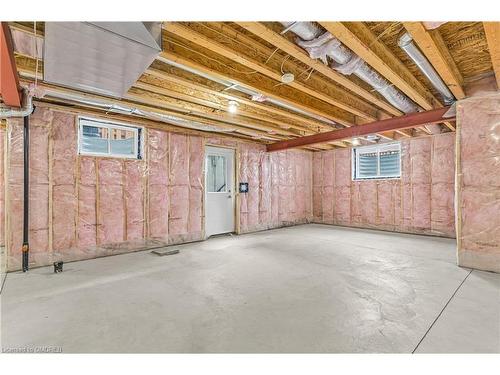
434, 48
204, 65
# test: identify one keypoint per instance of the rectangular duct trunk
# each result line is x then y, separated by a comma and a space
100, 57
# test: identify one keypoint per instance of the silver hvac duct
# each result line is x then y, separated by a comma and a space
123, 109
322, 45
26, 110
407, 45
244, 90
100, 57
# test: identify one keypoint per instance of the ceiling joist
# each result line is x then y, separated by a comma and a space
434, 48
200, 39
492, 31
292, 49
359, 38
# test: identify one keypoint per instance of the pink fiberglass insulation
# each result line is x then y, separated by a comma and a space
87, 216
14, 196
39, 181
279, 188
86, 206
111, 211
157, 174
196, 183
133, 190
265, 189
478, 183
368, 208
342, 182
421, 201
179, 160
254, 194
2, 189
274, 189
186, 176
64, 198
317, 187
442, 187
385, 204
243, 176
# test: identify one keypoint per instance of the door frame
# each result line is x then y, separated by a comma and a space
236, 178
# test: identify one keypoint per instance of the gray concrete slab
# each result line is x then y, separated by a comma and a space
310, 288
471, 321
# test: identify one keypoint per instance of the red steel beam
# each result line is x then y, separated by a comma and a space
396, 123
9, 79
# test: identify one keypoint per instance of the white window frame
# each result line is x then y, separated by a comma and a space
395, 146
98, 123
221, 154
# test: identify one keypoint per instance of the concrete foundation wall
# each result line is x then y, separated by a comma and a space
83, 207
421, 201
478, 182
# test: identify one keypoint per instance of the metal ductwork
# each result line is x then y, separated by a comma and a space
106, 58
256, 96
156, 116
407, 45
26, 110
128, 110
321, 45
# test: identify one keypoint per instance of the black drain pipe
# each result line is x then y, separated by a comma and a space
26, 194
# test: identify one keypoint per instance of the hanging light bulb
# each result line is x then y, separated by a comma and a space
232, 106
356, 142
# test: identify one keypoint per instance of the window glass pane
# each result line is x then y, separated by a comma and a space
216, 173
94, 139
389, 163
122, 142
367, 165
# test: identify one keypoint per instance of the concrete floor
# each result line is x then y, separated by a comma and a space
310, 288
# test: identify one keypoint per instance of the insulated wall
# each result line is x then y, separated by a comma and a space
3, 258
2, 187
84, 207
478, 183
280, 188
280, 185
421, 201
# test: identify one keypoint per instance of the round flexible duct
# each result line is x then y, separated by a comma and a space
322, 45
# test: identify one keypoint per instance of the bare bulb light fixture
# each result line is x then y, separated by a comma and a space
232, 106
287, 78
356, 142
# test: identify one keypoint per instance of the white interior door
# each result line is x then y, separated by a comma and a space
219, 190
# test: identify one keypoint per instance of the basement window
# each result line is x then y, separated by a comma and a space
377, 162
102, 138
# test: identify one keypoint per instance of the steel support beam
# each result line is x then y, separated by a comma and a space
396, 123
9, 81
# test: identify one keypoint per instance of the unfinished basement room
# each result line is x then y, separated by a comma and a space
250, 186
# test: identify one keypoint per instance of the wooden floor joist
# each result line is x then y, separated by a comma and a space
205, 42
360, 39
167, 57
434, 48
292, 49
